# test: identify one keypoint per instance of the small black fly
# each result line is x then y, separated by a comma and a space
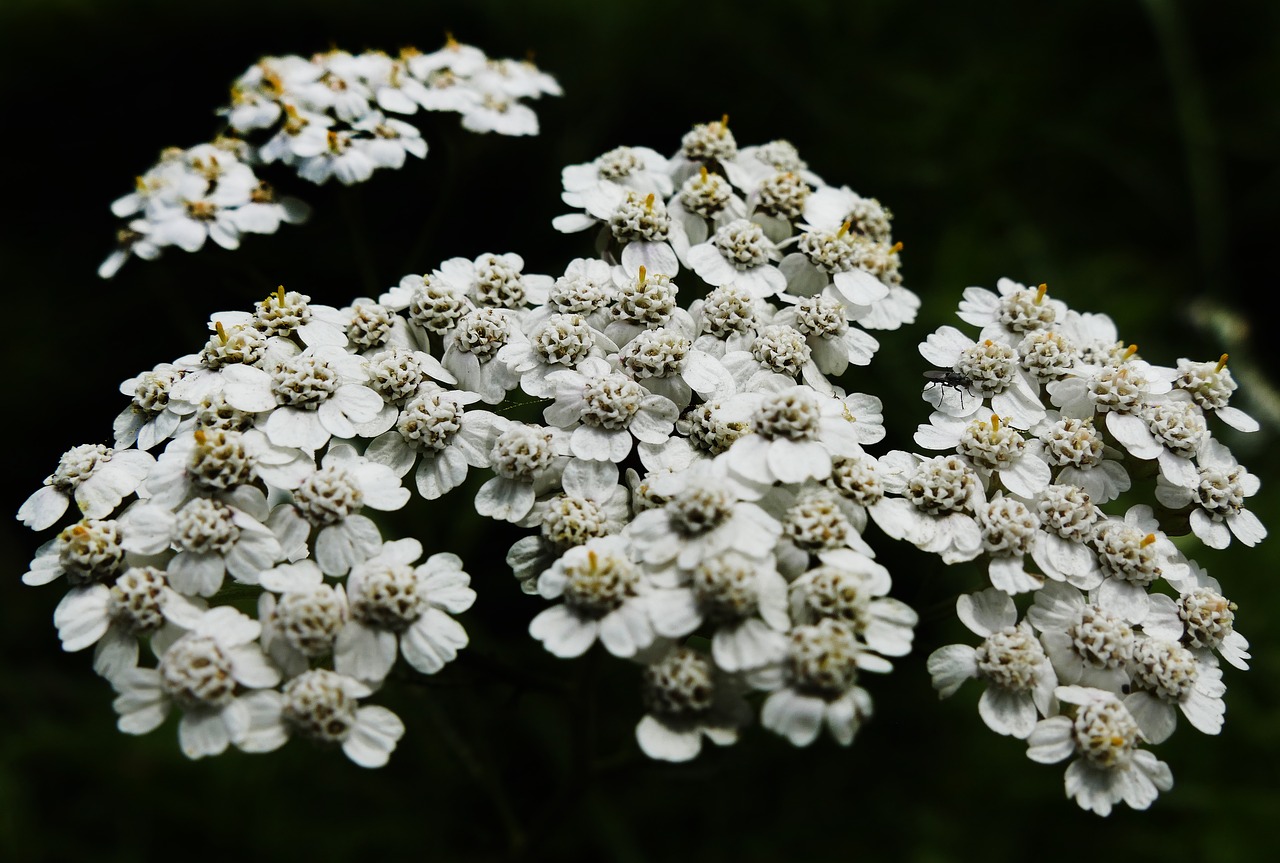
949, 378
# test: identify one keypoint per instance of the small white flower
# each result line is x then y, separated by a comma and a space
993, 371
995, 449
1010, 312
686, 699
1211, 385
435, 430
741, 254
527, 460
398, 607
604, 596
816, 686
1109, 766
607, 411
323, 706
96, 477
1218, 496
1087, 644
1167, 678
111, 618
1019, 677
212, 537
204, 673
331, 500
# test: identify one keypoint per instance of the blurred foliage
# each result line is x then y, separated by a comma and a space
1123, 152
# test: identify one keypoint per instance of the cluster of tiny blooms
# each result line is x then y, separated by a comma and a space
694, 495
334, 115
695, 486
1065, 463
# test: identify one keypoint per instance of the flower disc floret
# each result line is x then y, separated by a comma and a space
599, 582
437, 306
282, 313
781, 349
219, 460
698, 509
783, 194
942, 484
1117, 388
742, 243
709, 432
617, 164
830, 251
829, 592
396, 374
1025, 310
1047, 354
1210, 384
725, 588
482, 332
196, 672
648, 300
563, 339
78, 464
1008, 526
823, 659
1011, 658
579, 292
242, 344
1221, 492
1105, 733
816, 523
369, 325
570, 521
654, 354
705, 194
1101, 639
990, 366
91, 550
523, 452
135, 600
1073, 442
611, 401
316, 704
857, 480
640, 218
709, 141
1208, 617
1068, 511
389, 597
991, 445
205, 526
1164, 667
680, 685
429, 421
822, 316
310, 619
1178, 425
304, 381
729, 309
328, 495
1128, 552
793, 414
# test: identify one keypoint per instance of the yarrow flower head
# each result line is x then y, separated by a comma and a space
670, 434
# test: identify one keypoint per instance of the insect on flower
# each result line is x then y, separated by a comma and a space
949, 379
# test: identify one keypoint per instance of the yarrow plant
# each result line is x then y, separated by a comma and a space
695, 487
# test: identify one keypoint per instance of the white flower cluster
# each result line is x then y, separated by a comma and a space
1041, 424
696, 490
333, 115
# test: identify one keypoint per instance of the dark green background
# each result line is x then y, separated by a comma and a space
1123, 152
